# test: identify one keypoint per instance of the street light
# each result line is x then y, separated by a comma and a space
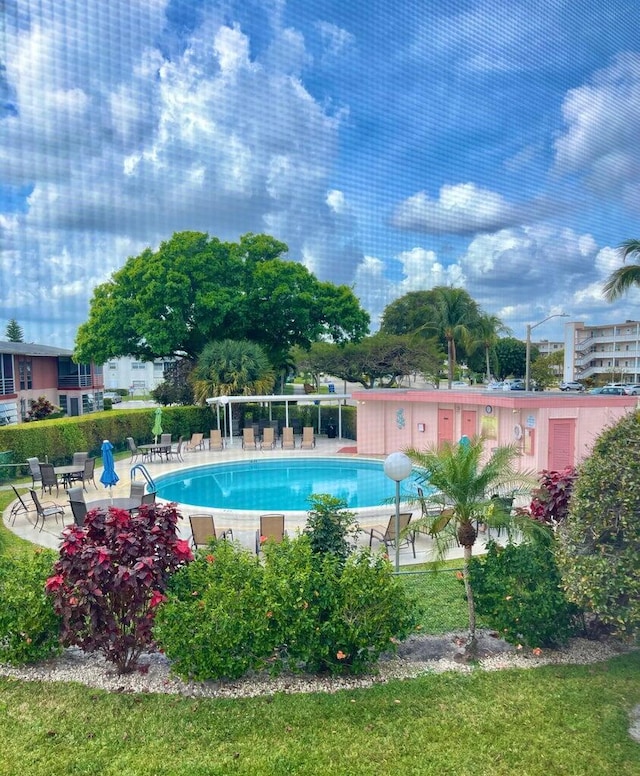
397, 466
527, 361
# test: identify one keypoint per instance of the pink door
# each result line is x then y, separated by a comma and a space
445, 426
562, 436
469, 423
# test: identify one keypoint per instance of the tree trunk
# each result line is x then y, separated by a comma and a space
471, 643
451, 357
486, 355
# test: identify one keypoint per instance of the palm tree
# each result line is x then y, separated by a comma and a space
232, 368
457, 314
621, 279
485, 334
456, 476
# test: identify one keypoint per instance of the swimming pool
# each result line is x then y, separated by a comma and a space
282, 485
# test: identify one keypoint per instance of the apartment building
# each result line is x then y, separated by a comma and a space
29, 370
138, 377
610, 351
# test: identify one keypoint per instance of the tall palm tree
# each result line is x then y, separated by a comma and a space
621, 279
457, 313
485, 334
456, 477
232, 368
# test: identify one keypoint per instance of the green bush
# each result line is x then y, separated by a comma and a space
29, 627
227, 614
330, 527
518, 592
214, 621
597, 548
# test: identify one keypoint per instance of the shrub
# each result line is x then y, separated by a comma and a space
518, 592
111, 575
550, 502
597, 550
214, 623
29, 626
330, 527
227, 614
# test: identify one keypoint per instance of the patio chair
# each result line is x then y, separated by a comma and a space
46, 509
195, 443
268, 438
79, 459
88, 473
18, 507
203, 529
49, 478
176, 451
136, 490
77, 504
271, 527
288, 440
76, 493
308, 441
387, 534
215, 439
165, 439
149, 498
249, 441
34, 470
135, 453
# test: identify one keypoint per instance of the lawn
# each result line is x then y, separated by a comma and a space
552, 720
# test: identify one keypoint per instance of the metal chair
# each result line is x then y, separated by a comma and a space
271, 528
215, 439
176, 451
18, 507
78, 505
136, 490
34, 470
135, 453
88, 474
149, 498
387, 534
49, 478
45, 510
79, 458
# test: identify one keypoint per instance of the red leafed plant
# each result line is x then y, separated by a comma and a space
550, 502
111, 575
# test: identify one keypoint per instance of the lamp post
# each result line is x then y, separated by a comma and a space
527, 358
397, 466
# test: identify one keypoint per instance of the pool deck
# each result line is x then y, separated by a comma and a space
243, 523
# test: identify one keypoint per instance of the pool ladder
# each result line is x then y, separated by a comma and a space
139, 467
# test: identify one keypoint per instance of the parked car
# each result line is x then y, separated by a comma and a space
115, 397
517, 384
632, 390
612, 390
494, 386
596, 390
459, 384
571, 385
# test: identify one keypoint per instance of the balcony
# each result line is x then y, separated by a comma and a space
75, 381
7, 386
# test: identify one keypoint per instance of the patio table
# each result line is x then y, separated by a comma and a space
155, 448
67, 472
128, 504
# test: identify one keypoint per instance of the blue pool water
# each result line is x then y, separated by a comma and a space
282, 485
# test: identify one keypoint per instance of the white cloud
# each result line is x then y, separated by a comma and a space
461, 209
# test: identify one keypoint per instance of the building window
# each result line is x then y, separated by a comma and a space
113, 365
62, 401
24, 370
137, 365
6, 374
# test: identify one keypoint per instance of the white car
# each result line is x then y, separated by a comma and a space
571, 385
115, 397
633, 389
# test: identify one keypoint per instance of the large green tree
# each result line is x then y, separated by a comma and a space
484, 336
196, 289
378, 360
512, 357
623, 278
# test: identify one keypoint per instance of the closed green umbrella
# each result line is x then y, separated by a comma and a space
157, 424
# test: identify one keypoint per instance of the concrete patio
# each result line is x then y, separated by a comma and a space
243, 523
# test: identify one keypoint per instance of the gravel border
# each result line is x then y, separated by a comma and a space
417, 656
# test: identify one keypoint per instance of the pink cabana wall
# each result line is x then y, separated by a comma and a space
552, 429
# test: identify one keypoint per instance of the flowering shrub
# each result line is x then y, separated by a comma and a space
111, 575
29, 627
227, 614
517, 592
550, 502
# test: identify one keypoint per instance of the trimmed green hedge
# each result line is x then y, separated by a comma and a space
57, 440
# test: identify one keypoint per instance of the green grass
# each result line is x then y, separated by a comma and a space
553, 720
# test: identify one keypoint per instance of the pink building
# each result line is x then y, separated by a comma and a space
554, 430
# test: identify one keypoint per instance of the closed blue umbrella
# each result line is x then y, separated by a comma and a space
108, 478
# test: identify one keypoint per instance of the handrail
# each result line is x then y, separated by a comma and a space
139, 467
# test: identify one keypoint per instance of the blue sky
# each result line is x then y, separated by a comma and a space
394, 146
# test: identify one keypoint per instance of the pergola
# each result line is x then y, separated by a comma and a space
308, 398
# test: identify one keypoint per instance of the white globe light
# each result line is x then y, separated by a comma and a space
397, 466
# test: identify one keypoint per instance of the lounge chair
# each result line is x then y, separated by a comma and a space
18, 508
49, 478
271, 528
249, 441
308, 441
215, 440
288, 440
46, 509
387, 534
34, 470
203, 529
133, 449
268, 438
195, 443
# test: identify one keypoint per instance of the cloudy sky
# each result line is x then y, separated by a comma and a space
393, 145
